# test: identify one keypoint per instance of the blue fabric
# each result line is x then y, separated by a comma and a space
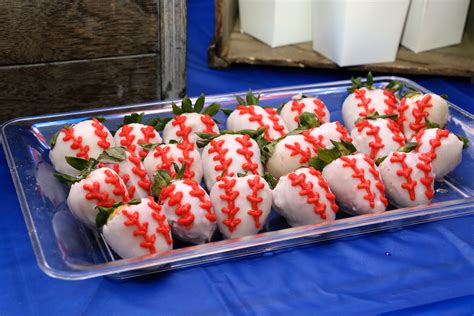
425, 269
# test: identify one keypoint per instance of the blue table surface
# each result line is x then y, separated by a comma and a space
424, 269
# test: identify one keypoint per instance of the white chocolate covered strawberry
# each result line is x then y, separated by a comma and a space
291, 111
228, 155
408, 178
416, 109
130, 168
187, 207
86, 139
133, 133
164, 156
377, 136
355, 181
303, 197
242, 204
250, 116
190, 119
138, 229
365, 99
443, 147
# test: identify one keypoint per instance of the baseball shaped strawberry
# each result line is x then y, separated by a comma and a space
229, 154
303, 197
86, 139
135, 229
416, 108
130, 168
92, 188
353, 178
365, 99
190, 119
377, 135
186, 205
250, 116
408, 178
133, 133
443, 147
291, 111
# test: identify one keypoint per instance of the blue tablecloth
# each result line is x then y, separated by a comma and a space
425, 269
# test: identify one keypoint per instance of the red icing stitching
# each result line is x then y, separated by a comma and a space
99, 131
315, 142
254, 117
148, 133
256, 185
128, 137
427, 180
209, 122
359, 174
378, 183
296, 149
390, 101
186, 148
114, 179
144, 183
220, 157
166, 162
141, 230
312, 197
200, 194
229, 196
373, 131
184, 130
125, 177
324, 185
343, 131
298, 107
318, 110
434, 143
76, 143
183, 211
95, 194
419, 113
163, 227
401, 114
249, 165
364, 102
396, 133
405, 172
275, 118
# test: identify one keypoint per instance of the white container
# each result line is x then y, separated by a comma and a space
357, 32
276, 22
434, 23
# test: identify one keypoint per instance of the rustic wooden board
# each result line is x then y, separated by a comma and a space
68, 86
56, 30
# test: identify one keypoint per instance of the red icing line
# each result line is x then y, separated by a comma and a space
298, 107
200, 194
427, 180
114, 179
163, 227
373, 131
364, 102
359, 174
434, 143
220, 157
127, 138
249, 165
318, 110
229, 196
419, 113
125, 177
396, 133
275, 118
343, 131
99, 131
378, 183
141, 230
186, 217
166, 162
255, 185
390, 101
401, 114
76, 143
315, 142
144, 183
209, 123
297, 150
324, 185
312, 197
186, 148
405, 172
148, 133
94, 193
254, 117
184, 131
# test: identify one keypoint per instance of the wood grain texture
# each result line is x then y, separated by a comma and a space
70, 86
33, 31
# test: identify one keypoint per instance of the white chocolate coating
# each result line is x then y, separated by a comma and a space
193, 121
85, 209
86, 132
243, 189
446, 156
351, 110
163, 157
121, 238
290, 202
231, 146
292, 110
138, 134
349, 194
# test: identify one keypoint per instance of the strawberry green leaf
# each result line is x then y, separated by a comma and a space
176, 109
227, 112
187, 105
464, 140
431, 124
308, 120
380, 160
370, 80
409, 147
271, 180
148, 146
394, 86
133, 118
444, 96
199, 104
162, 180
240, 100
212, 109
113, 154
100, 119
375, 115
77, 163
252, 99
158, 123
67, 179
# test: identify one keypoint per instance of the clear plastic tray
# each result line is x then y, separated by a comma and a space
65, 249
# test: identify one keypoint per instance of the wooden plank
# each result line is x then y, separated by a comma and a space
70, 86
173, 48
57, 30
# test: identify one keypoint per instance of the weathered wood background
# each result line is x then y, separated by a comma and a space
67, 55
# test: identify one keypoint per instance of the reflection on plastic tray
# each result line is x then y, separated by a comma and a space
66, 249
